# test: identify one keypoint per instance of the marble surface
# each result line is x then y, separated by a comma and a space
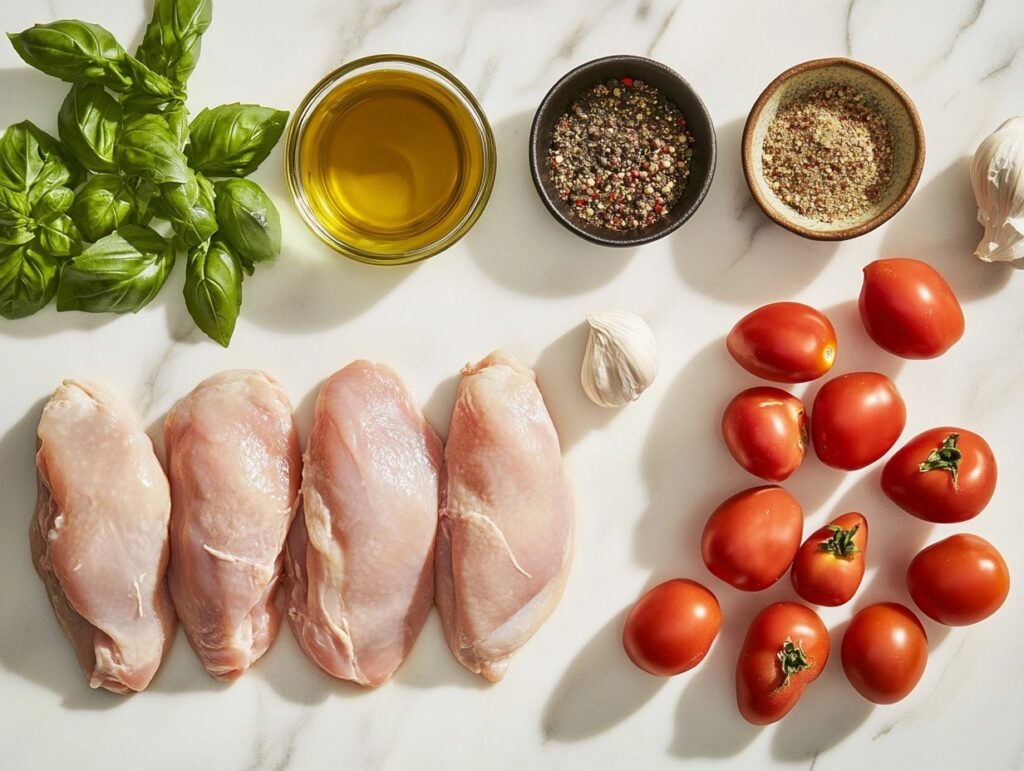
646, 477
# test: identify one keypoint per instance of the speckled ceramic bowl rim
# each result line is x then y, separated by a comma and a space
548, 103
749, 151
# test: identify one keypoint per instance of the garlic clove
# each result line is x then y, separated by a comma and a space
997, 176
621, 358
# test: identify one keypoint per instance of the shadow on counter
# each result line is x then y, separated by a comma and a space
731, 251
519, 245
599, 690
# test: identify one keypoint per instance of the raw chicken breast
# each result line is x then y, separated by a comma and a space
505, 533
234, 463
99, 535
360, 554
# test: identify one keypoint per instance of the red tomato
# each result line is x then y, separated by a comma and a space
785, 650
750, 540
671, 628
942, 475
830, 565
884, 652
909, 309
784, 342
856, 418
765, 429
959, 581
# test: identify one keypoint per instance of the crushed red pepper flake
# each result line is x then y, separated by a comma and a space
624, 147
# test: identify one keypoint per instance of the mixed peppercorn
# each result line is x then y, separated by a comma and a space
620, 155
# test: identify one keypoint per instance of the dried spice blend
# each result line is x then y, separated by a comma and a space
620, 155
828, 154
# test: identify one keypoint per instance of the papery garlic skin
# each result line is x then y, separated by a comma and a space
621, 359
997, 176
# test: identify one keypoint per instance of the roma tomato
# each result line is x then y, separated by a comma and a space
785, 342
959, 581
909, 309
750, 540
829, 567
785, 650
856, 418
765, 429
942, 475
671, 628
884, 652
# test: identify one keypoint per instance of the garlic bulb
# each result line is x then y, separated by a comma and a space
997, 175
621, 359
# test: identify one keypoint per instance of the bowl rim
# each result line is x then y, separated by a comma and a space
331, 80
748, 150
547, 104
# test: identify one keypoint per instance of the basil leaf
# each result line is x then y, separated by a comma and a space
177, 120
32, 162
172, 40
148, 150
213, 289
75, 51
234, 139
197, 223
105, 203
88, 124
248, 220
28, 280
59, 199
15, 235
14, 208
58, 235
149, 83
118, 274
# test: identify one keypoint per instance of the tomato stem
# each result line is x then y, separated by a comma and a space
792, 660
840, 543
945, 458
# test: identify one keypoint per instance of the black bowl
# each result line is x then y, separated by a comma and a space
677, 90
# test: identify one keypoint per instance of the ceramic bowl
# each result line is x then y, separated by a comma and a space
677, 90
894, 105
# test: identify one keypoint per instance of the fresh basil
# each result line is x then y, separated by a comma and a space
177, 121
28, 280
76, 52
16, 235
88, 124
213, 289
58, 199
148, 150
32, 162
234, 139
120, 273
58, 235
14, 208
171, 43
248, 220
80, 52
189, 207
105, 203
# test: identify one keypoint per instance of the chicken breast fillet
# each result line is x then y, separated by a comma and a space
99, 535
506, 524
360, 553
234, 463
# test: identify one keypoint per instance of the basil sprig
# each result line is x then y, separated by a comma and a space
125, 132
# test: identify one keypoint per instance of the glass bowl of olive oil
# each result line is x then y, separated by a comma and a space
390, 159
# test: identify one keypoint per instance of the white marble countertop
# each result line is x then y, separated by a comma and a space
646, 477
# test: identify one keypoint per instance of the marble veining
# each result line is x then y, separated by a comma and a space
645, 477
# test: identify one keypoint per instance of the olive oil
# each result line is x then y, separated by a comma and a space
391, 162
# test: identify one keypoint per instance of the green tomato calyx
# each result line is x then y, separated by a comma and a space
945, 458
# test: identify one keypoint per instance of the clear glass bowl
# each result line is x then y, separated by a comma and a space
478, 187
